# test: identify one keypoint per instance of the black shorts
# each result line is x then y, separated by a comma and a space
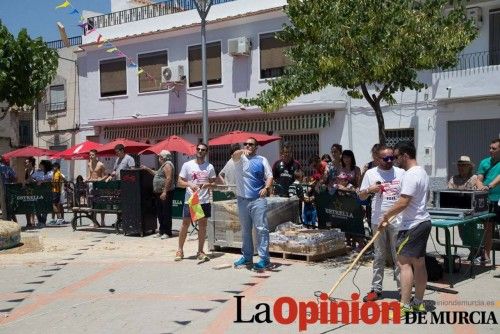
207, 210
56, 198
413, 242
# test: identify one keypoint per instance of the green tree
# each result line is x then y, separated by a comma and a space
370, 48
27, 67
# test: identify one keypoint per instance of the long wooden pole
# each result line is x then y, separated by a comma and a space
375, 236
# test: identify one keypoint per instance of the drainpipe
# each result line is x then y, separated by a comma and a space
349, 122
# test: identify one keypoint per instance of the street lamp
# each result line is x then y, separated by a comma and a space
203, 6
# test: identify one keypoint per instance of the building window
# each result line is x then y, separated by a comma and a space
214, 67
394, 136
152, 63
113, 77
25, 132
57, 98
303, 147
219, 155
272, 56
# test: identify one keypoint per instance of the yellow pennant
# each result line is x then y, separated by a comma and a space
111, 50
140, 71
64, 4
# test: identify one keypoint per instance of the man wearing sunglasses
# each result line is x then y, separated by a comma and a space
414, 228
383, 183
254, 179
196, 175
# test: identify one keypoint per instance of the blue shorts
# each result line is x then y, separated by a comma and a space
207, 210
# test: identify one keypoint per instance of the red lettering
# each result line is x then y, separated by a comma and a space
278, 310
390, 311
355, 308
305, 316
334, 312
323, 306
370, 317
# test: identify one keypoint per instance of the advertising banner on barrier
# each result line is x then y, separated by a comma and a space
341, 210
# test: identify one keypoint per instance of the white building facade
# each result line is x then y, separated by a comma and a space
242, 55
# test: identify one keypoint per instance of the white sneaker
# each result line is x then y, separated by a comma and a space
52, 222
157, 235
60, 221
165, 236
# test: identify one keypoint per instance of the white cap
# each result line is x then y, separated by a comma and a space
165, 154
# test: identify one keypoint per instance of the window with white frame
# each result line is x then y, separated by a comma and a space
214, 67
272, 56
57, 98
151, 63
113, 77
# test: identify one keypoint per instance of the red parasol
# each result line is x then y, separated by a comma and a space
77, 152
131, 146
235, 137
29, 151
173, 144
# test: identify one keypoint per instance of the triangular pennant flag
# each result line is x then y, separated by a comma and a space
119, 53
83, 25
112, 50
132, 64
74, 11
195, 209
82, 18
140, 71
64, 4
90, 31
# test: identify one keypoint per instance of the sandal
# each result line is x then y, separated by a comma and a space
179, 255
202, 256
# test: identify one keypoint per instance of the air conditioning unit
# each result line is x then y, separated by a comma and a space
172, 74
239, 46
474, 14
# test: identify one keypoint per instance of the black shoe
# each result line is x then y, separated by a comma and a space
372, 296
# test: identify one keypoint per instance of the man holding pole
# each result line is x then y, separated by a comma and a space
414, 229
383, 183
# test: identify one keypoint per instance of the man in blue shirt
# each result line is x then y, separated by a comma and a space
487, 172
254, 179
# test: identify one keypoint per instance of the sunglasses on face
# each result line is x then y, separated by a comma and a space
201, 149
389, 158
248, 144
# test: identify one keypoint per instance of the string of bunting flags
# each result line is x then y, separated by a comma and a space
101, 41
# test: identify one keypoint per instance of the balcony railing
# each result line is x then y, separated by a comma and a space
55, 107
142, 13
473, 60
77, 40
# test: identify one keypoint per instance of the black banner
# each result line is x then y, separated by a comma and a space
342, 210
29, 198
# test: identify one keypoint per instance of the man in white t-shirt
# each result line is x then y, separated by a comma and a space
414, 229
384, 184
196, 175
253, 184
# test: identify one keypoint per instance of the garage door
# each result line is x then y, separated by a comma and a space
470, 138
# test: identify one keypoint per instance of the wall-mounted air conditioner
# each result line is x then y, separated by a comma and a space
240, 46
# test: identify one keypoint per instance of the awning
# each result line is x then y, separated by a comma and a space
268, 122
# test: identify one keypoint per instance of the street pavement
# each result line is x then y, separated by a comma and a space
95, 281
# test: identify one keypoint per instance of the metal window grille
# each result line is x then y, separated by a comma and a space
219, 155
393, 136
303, 147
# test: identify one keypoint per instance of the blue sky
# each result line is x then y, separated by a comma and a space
39, 17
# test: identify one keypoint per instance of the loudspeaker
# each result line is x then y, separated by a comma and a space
138, 212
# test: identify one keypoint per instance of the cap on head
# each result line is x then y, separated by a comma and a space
464, 160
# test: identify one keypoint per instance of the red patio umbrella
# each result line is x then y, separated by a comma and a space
29, 151
173, 144
77, 152
131, 146
235, 137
